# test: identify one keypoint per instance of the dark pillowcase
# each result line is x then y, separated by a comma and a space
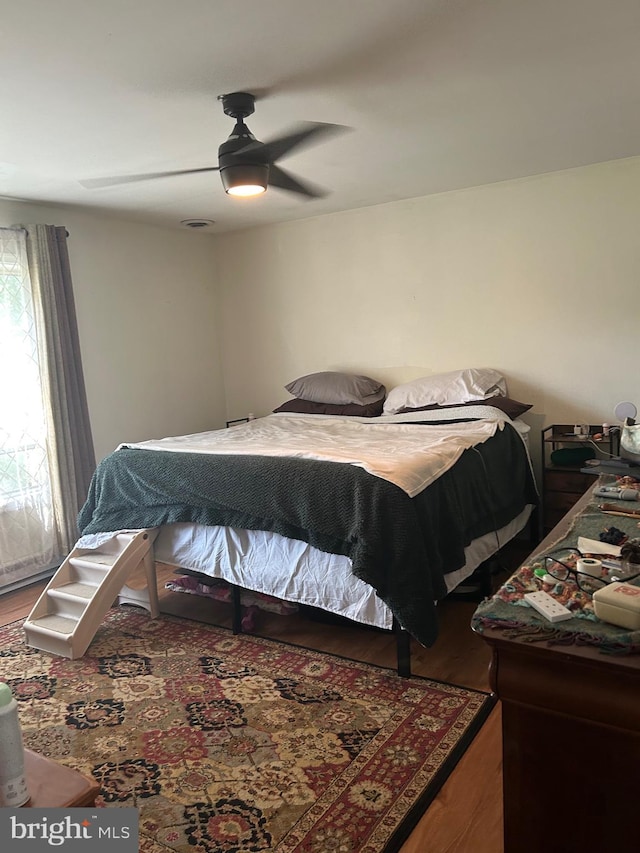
351, 410
510, 407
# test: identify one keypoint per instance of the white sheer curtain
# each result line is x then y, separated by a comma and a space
28, 541
46, 449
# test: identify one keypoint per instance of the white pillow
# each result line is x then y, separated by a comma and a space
446, 389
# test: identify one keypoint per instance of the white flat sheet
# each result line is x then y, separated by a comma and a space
389, 447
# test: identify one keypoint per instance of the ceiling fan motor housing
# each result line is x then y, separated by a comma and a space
238, 166
245, 174
238, 104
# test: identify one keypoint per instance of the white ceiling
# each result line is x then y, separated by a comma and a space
439, 94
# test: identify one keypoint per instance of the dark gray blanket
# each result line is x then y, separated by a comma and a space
402, 546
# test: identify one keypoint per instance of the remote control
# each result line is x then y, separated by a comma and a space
548, 606
617, 493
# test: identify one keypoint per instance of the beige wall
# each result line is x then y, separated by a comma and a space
148, 322
538, 278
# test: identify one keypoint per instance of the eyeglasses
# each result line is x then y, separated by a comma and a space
562, 565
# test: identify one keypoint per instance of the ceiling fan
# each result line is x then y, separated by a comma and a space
246, 165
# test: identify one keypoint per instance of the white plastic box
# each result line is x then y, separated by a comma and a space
619, 604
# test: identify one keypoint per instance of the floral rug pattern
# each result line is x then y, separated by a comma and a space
236, 744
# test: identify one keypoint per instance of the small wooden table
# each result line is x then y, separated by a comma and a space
571, 741
52, 785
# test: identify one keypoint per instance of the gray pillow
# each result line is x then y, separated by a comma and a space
337, 388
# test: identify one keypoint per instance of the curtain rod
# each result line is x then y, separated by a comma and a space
22, 228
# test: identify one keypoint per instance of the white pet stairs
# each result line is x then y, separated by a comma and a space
67, 615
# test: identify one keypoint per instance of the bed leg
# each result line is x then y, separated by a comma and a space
484, 576
403, 646
236, 618
535, 527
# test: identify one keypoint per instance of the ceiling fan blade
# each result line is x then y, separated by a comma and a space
94, 183
306, 133
285, 181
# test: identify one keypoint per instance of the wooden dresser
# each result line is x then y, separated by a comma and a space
571, 741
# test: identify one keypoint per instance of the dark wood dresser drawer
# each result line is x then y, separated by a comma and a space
559, 480
561, 501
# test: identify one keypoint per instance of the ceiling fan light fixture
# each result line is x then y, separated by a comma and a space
245, 179
246, 190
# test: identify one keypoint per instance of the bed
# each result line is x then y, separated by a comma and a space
371, 518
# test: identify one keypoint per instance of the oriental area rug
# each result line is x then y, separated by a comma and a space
237, 744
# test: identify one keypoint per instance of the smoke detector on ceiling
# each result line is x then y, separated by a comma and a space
197, 223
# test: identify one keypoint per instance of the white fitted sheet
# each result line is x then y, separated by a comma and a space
295, 571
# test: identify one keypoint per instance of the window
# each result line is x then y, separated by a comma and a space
27, 532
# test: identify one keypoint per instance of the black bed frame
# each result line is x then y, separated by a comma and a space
403, 639
482, 578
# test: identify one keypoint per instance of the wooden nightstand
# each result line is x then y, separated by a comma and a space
563, 485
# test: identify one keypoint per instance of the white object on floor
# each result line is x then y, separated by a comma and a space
13, 782
67, 615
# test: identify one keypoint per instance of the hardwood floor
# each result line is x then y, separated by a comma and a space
466, 816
